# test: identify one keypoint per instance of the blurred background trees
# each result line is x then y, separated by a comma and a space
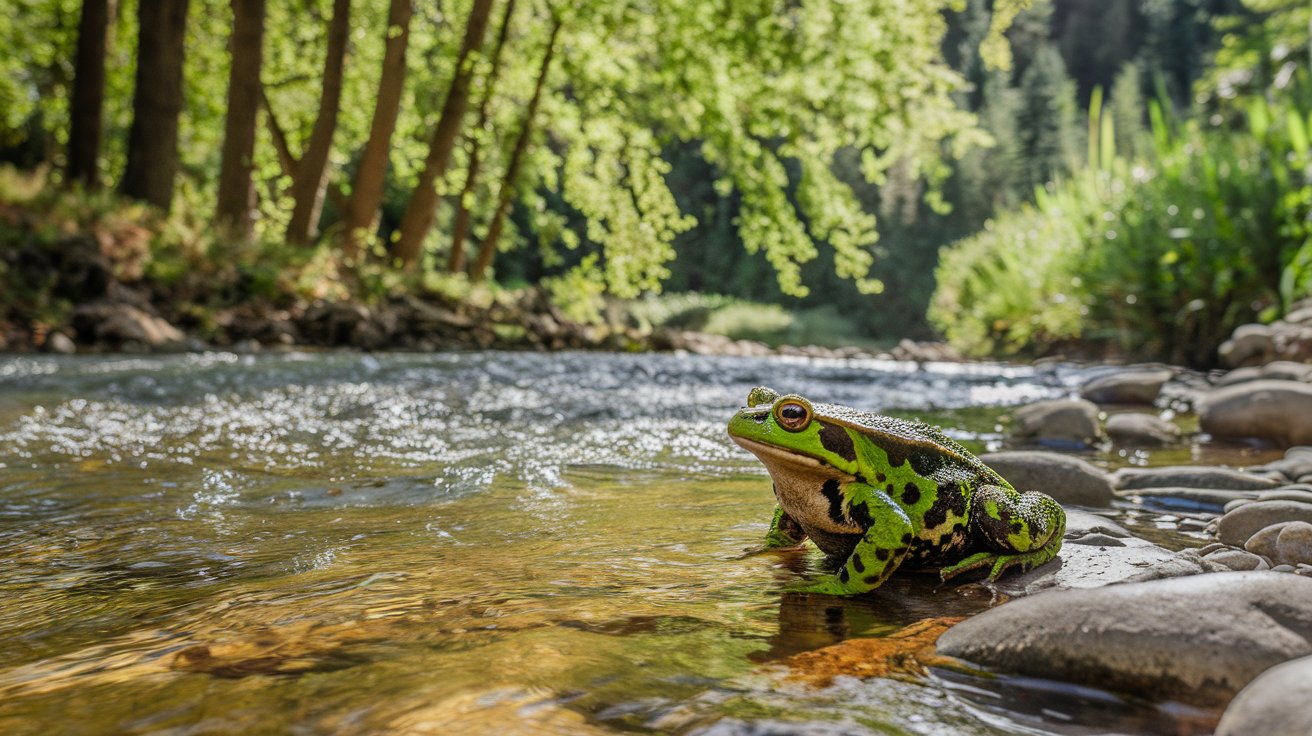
819, 156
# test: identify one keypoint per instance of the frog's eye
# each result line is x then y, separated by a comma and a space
792, 415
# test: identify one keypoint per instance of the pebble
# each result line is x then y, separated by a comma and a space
1127, 387
1141, 430
1286, 543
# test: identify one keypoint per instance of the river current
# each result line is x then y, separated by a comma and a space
456, 543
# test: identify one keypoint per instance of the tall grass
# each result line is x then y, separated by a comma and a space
1162, 256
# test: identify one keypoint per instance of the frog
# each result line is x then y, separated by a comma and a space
876, 494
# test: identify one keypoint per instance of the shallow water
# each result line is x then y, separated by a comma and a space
459, 543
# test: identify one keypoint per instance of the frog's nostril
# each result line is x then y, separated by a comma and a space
760, 418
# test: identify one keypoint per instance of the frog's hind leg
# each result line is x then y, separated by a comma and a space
1024, 530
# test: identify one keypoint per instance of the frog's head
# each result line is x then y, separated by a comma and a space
791, 431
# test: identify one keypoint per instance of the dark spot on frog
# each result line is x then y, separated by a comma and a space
843, 575
872, 580
880, 478
882, 554
834, 494
1016, 526
906, 538
911, 495
860, 514
858, 564
836, 440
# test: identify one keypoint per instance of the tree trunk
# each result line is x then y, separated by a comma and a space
487, 250
460, 230
152, 161
361, 214
311, 177
87, 102
422, 208
236, 191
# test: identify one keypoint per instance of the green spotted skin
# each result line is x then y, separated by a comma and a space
876, 494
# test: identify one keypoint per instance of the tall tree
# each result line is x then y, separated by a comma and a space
1046, 118
422, 208
510, 182
87, 102
361, 216
460, 230
311, 177
236, 190
152, 157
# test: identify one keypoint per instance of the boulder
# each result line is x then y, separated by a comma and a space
1197, 639
60, 344
1276, 702
1243, 522
1283, 370
117, 324
1280, 411
1127, 387
1060, 422
1248, 345
1286, 543
1190, 476
1141, 430
1069, 480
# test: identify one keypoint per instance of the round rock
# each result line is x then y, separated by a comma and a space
1237, 559
1280, 411
1069, 480
1274, 703
1198, 639
1061, 422
1238, 525
1127, 387
1141, 430
1286, 543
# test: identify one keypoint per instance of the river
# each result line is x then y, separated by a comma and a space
456, 543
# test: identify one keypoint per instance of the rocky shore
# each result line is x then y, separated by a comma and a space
1226, 620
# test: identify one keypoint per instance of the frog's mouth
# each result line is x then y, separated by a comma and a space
778, 458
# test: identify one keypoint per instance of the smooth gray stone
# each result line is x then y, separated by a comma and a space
1191, 476
1064, 421
1278, 701
1141, 430
1069, 480
1127, 387
1189, 499
1237, 559
1280, 411
1197, 639
1235, 527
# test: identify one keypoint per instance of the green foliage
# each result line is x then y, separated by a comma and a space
1163, 257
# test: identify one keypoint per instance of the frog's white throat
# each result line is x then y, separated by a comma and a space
799, 485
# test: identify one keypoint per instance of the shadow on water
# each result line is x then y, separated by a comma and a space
471, 543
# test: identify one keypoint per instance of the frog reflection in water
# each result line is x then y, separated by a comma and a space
877, 493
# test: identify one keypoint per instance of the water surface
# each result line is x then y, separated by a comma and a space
457, 543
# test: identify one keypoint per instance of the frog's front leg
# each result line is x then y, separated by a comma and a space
784, 531
1024, 530
881, 549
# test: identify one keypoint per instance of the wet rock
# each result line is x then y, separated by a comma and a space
1068, 479
117, 324
1235, 527
1287, 543
1189, 499
1197, 639
60, 344
1248, 345
925, 352
1275, 702
1282, 370
1280, 411
1237, 559
1190, 476
1296, 463
1127, 387
1141, 430
1060, 422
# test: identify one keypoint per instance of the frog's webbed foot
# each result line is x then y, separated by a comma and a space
999, 564
823, 585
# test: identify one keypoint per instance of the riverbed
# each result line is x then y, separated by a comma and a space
465, 543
